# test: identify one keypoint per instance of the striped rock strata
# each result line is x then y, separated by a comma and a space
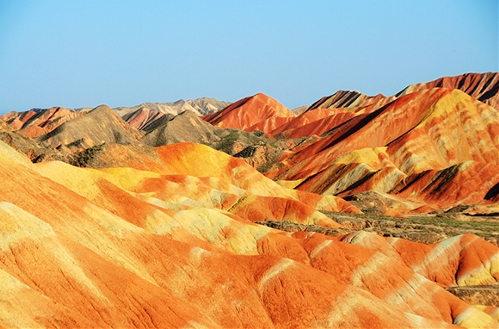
116, 248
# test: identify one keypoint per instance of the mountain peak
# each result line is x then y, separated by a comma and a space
251, 113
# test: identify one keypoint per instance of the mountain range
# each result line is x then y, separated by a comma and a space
248, 214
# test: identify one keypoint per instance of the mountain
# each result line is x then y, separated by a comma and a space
352, 100
177, 246
200, 106
35, 152
359, 212
422, 147
37, 122
258, 112
484, 87
34, 123
145, 119
409, 153
184, 127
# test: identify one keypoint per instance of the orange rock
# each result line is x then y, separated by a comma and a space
258, 112
85, 246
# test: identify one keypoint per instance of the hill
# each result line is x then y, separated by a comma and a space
100, 125
176, 246
358, 212
258, 112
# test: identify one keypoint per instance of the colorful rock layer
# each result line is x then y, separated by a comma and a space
177, 247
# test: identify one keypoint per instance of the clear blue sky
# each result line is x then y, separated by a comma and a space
82, 53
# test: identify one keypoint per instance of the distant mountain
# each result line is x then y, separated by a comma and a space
100, 125
35, 151
184, 127
300, 109
36, 122
200, 106
146, 119
351, 100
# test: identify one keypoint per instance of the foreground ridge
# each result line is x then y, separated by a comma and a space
131, 243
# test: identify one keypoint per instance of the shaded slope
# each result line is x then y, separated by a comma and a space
35, 151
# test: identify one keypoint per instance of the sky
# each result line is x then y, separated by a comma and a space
83, 53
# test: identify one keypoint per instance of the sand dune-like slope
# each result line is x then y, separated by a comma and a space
119, 247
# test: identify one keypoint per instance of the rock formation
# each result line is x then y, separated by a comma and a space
258, 112
100, 125
256, 216
162, 248
34, 123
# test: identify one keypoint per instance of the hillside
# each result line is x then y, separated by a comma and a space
34, 123
98, 126
258, 112
482, 87
358, 212
131, 248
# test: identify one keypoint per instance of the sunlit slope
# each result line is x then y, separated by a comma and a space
36, 123
73, 255
258, 112
483, 87
425, 145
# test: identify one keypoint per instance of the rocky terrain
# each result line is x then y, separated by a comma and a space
357, 212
